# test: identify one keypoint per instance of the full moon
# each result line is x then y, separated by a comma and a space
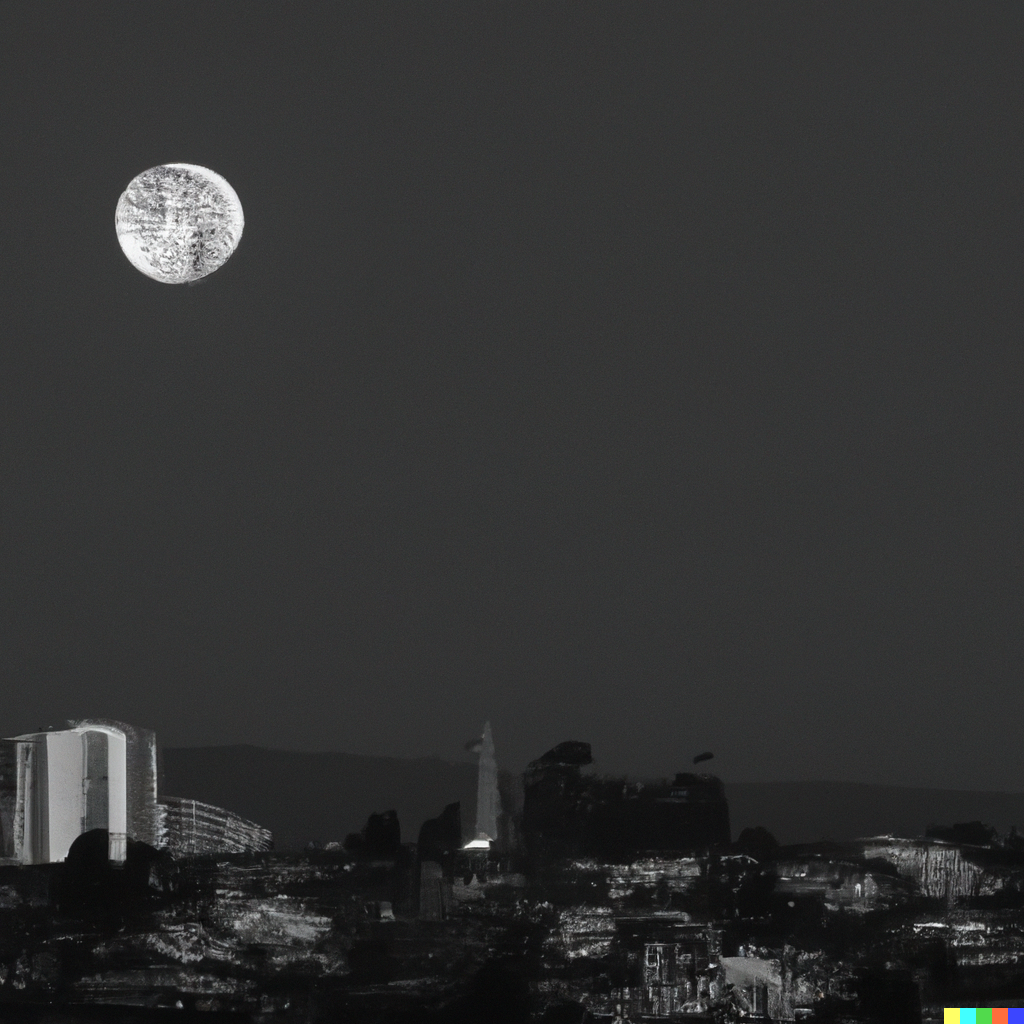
178, 222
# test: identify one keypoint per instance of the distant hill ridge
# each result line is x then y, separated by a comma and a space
804, 812
317, 796
324, 796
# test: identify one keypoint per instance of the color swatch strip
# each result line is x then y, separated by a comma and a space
989, 1015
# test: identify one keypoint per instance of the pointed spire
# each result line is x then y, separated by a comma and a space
487, 805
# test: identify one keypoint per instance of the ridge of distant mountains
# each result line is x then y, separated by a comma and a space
303, 796
324, 796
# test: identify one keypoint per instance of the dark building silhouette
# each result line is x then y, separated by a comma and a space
441, 837
91, 888
569, 814
438, 846
380, 839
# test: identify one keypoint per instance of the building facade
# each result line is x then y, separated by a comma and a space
193, 828
57, 784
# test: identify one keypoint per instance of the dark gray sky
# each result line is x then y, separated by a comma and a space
648, 374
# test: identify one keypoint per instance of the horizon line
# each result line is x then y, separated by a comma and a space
633, 776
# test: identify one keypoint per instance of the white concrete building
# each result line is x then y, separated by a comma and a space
99, 773
57, 784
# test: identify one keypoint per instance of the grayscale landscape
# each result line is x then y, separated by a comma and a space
510, 513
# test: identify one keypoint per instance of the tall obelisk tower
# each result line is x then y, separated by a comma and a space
487, 801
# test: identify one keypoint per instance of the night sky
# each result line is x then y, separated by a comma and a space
641, 373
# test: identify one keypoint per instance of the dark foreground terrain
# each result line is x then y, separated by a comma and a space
886, 930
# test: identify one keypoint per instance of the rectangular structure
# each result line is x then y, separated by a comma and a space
55, 785
143, 824
62, 799
100, 774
